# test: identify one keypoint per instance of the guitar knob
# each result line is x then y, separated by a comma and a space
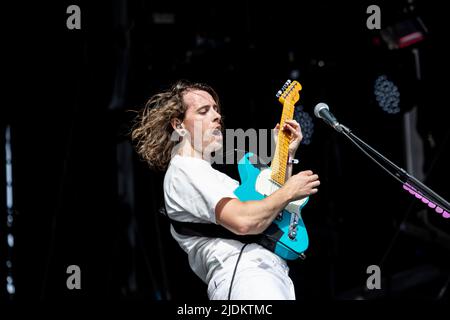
292, 235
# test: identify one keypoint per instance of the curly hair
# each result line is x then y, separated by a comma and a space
152, 129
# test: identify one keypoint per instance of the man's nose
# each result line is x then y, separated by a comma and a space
217, 116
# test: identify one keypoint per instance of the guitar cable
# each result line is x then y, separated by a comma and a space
235, 268
302, 256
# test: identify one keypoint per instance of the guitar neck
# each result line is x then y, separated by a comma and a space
280, 159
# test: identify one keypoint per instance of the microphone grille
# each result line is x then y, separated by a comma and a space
319, 107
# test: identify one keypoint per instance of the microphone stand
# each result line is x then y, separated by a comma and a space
409, 182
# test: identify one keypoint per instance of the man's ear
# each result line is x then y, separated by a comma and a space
176, 124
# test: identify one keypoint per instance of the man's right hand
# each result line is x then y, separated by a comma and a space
301, 185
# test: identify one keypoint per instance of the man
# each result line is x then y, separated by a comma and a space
196, 192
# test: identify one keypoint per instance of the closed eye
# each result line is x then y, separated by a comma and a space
203, 110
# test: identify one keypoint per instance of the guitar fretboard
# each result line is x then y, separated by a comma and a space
280, 158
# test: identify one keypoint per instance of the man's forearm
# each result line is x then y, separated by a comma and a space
260, 214
289, 170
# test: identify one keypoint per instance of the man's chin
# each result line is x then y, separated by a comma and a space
217, 146
214, 146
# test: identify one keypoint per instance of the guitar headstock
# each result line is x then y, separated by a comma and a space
290, 92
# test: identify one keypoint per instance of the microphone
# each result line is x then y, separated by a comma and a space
321, 110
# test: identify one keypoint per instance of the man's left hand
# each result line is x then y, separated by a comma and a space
292, 128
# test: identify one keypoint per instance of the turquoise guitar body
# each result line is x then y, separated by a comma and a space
287, 235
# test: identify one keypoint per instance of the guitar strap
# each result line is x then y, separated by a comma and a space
211, 230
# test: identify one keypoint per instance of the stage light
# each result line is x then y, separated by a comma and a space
387, 94
295, 74
404, 34
306, 123
10, 240
10, 287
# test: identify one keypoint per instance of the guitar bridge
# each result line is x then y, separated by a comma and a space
293, 227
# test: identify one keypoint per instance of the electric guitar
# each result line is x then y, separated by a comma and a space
286, 236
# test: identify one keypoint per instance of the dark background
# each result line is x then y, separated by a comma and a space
82, 196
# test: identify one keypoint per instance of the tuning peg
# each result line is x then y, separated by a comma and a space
279, 93
286, 84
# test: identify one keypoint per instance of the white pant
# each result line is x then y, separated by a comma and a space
260, 275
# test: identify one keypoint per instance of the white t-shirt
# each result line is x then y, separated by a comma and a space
192, 189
